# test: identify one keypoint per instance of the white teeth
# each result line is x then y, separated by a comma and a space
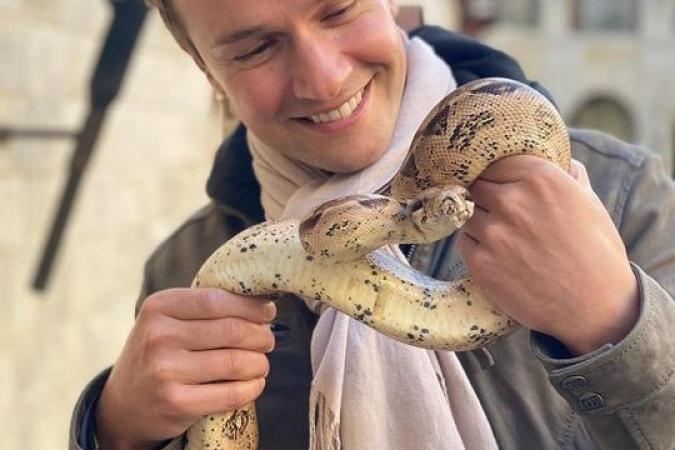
345, 110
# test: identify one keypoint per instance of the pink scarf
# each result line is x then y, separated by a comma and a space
369, 391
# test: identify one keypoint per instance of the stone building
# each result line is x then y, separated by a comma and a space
157, 145
610, 64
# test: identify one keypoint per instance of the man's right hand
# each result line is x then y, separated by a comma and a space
190, 353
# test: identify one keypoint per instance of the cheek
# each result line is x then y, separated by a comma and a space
375, 39
256, 96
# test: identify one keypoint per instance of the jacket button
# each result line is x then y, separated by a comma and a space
574, 383
591, 402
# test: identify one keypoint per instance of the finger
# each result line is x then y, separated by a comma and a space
485, 194
215, 398
231, 332
207, 303
579, 173
475, 224
467, 243
225, 365
476, 258
512, 168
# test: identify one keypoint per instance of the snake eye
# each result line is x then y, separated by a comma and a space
413, 205
308, 224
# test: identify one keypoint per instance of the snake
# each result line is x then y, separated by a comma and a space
338, 254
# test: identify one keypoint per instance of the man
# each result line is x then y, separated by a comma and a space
324, 87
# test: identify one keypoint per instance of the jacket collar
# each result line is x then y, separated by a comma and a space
232, 182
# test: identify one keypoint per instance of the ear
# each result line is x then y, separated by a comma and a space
214, 83
393, 7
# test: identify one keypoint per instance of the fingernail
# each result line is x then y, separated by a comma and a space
270, 311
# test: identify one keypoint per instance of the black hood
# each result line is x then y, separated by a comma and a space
232, 181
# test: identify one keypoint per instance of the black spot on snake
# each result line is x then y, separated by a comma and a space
439, 124
497, 88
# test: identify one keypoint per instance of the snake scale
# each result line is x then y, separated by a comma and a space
328, 257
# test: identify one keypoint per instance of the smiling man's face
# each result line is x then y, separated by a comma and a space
320, 80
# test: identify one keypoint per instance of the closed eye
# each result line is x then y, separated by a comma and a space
339, 12
262, 48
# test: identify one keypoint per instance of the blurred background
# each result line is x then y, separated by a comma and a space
107, 134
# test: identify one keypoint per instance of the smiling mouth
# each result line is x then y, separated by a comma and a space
343, 111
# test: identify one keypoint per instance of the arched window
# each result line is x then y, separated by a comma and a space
606, 114
617, 15
521, 12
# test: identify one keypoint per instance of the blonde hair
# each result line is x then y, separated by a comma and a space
177, 29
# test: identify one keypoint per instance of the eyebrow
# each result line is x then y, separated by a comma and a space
239, 35
244, 33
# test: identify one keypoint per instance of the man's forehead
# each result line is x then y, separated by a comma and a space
247, 18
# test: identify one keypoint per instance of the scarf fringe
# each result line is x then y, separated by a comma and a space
324, 427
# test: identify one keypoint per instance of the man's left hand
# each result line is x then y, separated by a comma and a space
545, 250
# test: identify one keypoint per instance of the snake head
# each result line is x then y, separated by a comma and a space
437, 212
347, 228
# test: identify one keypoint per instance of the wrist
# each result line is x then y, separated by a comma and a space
108, 431
609, 326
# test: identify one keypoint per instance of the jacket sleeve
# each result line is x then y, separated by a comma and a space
626, 392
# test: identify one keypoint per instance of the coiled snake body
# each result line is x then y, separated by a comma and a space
330, 257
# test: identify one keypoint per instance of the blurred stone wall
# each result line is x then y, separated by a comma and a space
635, 68
444, 13
146, 176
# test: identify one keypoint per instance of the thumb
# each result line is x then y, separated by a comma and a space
578, 172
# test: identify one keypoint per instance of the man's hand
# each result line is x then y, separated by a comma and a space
545, 250
190, 353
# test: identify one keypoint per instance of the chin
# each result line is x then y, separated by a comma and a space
349, 163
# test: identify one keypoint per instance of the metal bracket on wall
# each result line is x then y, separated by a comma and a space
128, 18
8, 133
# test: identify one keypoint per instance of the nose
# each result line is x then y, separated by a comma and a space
319, 68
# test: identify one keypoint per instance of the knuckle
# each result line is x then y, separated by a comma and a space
151, 306
542, 178
172, 401
156, 337
160, 370
235, 396
478, 260
232, 331
491, 234
168, 398
212, 301
233, 363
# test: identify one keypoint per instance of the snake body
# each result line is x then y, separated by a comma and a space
330, 257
